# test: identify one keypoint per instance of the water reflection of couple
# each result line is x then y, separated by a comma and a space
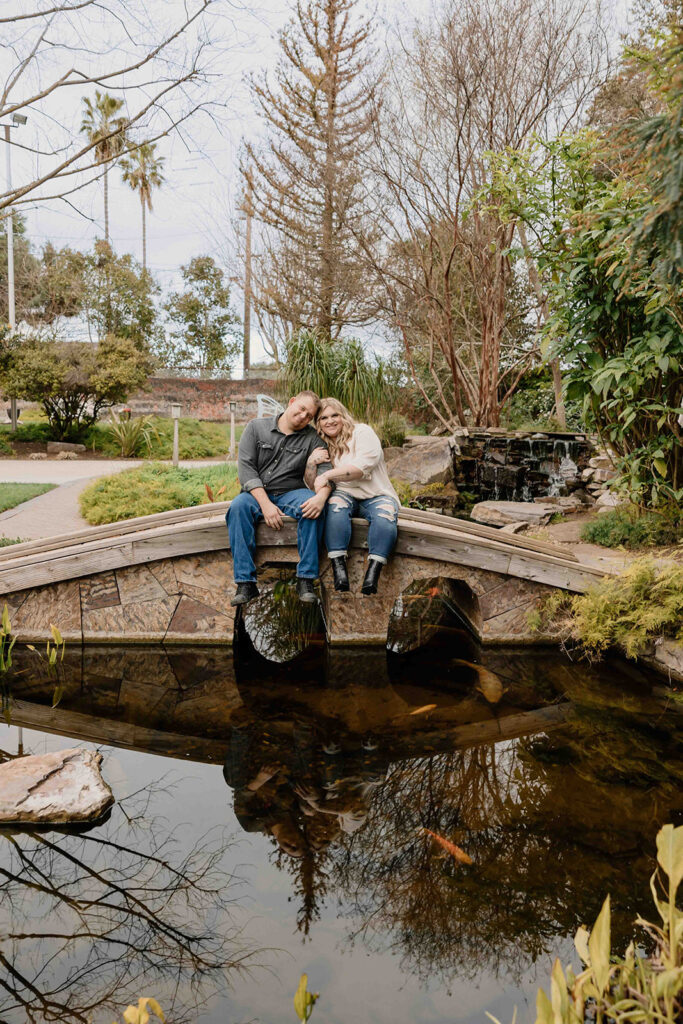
294, 783
288, 467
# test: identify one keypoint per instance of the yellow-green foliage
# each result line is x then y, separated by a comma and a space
404, 490
628, 611
633, 988
154, 488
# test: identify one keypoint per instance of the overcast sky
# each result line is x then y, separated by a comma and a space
192, 211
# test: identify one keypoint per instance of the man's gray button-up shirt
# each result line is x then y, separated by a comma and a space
275, 461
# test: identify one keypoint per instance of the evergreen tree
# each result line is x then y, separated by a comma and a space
306, 181
207, 333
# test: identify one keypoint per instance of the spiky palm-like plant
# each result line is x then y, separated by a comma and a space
101, 125
142, 171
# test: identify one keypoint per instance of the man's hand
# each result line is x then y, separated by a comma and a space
312, 507
272, 515
320, 482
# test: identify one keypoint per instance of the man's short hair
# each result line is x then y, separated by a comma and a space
312, 395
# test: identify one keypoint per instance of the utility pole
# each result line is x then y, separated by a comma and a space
247, 282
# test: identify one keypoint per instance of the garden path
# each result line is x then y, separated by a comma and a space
57, 511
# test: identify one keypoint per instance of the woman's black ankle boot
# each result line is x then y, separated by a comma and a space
339, 573
371, 577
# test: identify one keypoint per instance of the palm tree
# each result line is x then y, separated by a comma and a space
142, 171
108, 132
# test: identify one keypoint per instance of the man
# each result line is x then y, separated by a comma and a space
271, 463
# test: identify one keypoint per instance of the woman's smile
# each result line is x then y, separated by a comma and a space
330, 423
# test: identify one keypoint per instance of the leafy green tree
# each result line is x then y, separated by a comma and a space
119, 297
206, 331
74, 381
62, 283
101, 126
142, 171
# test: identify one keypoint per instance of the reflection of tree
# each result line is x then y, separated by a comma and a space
110, 913
548, 834
278, 624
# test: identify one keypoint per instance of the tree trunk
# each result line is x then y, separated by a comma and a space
106, 204
327, 257
144, 236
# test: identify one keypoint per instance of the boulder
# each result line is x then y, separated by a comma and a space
498, 513
601, 476
430, 462
54, 447
608, 500
67, 455
601, 462
54, 789
35, 456
520, 527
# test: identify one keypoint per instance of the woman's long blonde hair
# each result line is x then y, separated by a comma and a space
339, 444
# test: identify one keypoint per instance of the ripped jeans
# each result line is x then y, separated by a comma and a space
382, 514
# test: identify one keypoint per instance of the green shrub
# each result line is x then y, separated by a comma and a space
197, 439
153, 488
628, 611
5, 446
34, 432
631, 527
6, 541
391, 430
132, 434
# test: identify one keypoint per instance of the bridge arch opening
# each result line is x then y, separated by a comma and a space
431, 609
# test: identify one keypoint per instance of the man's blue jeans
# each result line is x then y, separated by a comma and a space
380, 512
242, 517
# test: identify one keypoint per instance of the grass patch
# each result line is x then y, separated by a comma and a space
12, 495
154, 488
6, 541
627, 611
630, 527
197, 439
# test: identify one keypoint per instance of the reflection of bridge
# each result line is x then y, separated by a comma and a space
168, 578
184, 703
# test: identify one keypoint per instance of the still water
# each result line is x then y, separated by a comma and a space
271, 820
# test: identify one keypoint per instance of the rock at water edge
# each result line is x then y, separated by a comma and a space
54, 789
498, 513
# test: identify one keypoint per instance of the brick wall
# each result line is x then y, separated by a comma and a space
201, 399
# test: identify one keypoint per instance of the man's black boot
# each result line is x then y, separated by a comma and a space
371, 577
245, 593
339, 573
306, 591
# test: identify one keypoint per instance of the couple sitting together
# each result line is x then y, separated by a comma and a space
288, 467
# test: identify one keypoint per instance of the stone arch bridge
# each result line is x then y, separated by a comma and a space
167, 578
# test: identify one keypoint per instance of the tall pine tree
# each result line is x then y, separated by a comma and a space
306, 180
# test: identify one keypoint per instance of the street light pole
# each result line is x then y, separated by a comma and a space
17, 119
10, 269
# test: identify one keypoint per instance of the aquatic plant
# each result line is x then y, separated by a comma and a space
304, 1001
628, 611
636, 988
53, 660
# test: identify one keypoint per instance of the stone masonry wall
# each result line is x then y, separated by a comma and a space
187, 600
201, 399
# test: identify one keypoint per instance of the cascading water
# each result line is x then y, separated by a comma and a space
512, 468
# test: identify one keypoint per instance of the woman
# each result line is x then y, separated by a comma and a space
363, 488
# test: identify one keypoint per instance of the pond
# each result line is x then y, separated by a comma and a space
274, 819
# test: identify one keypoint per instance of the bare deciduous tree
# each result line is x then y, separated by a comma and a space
51, 57
481, 77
